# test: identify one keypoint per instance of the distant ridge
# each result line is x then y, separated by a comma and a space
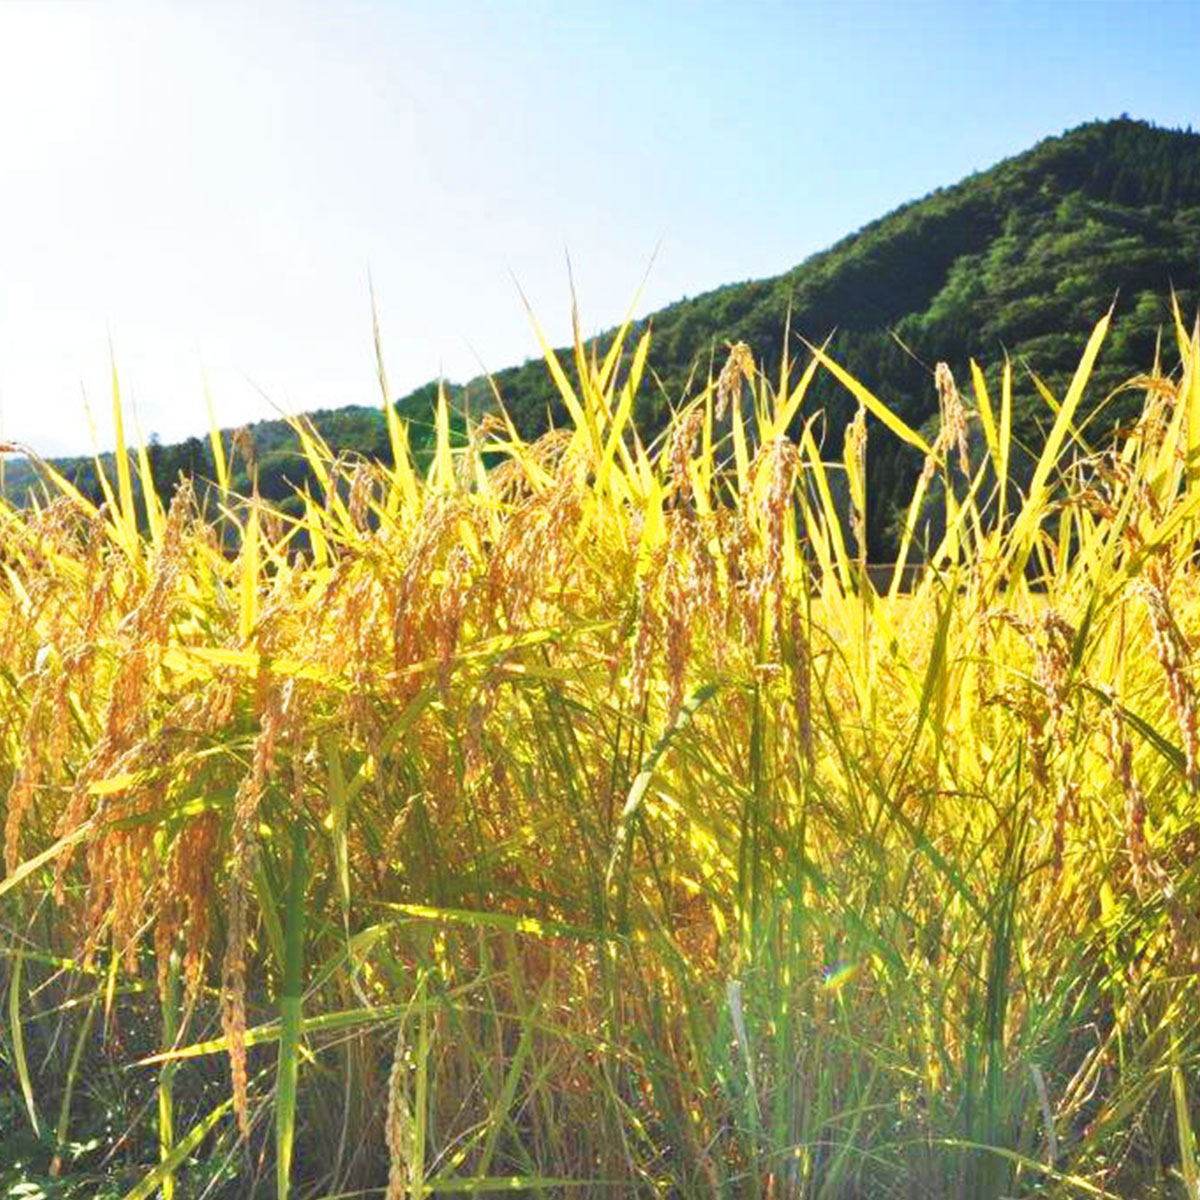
1023, 257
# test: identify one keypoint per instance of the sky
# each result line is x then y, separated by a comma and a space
208, 189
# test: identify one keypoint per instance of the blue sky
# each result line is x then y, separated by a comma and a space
209, 184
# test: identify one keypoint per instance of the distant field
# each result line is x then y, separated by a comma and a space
583, 816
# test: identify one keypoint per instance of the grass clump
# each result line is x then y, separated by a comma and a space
582, 816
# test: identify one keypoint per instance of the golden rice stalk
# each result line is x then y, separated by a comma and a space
399, 1128
1120, 757
738, 366
954, 417
233, 1007
1172, 651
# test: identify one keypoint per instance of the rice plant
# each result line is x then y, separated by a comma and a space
586, 816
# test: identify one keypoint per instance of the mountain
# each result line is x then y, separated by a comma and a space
1022, 259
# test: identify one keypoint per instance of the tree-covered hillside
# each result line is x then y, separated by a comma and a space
1019, 259
280, 466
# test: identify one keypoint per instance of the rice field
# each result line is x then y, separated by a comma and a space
585, 817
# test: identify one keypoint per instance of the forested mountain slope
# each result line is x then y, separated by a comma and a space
1020, 259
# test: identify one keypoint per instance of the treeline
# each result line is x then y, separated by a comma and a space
269, 450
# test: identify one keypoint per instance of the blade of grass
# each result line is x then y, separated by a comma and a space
291, 1001
17, 1033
